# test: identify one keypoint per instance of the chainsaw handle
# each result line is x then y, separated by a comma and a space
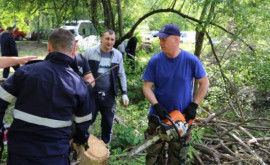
174, 126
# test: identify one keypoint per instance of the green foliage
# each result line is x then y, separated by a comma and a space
125, 137
114, 160
134, 117
10, 16
197, 135
4, 154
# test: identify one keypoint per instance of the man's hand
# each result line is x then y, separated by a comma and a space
23, 60
79, 149
191, 111
125, 100
89, 86
160, 111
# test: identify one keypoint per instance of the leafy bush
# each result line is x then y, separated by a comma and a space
125, 137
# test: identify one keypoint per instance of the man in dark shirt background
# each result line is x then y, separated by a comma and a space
131, 50
8, 48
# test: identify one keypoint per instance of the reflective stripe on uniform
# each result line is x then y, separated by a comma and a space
7, 96
40, 120
82, 119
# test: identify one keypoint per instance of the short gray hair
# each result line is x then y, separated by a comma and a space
61, 39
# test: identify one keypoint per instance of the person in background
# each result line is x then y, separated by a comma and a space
131, 49
121, 47
84, 72
101, 58
48, 95
8, 48
11, 61
84, 69
172, 72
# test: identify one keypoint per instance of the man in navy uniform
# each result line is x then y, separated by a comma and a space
47, 96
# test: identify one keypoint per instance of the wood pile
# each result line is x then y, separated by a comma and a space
245, 142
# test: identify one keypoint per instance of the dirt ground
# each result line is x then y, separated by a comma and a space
32, 48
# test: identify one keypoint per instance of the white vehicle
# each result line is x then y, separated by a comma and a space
84, 31
188, 37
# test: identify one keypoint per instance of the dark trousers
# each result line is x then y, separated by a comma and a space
131, 60
104, 102
6, 70
2, 130
15, 159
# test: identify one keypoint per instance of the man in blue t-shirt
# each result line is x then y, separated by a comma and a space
172, 72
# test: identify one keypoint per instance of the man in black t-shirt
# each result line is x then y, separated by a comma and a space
84, 70
131, 50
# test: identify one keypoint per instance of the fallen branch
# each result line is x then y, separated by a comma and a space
197, 158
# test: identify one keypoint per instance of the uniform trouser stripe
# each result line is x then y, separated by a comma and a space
40, 120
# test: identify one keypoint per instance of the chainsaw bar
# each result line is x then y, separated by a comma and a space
173, 128
147, 143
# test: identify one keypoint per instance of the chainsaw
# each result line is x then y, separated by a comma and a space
173, 127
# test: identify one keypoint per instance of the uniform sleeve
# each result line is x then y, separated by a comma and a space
8, 93
82, 118
149, 72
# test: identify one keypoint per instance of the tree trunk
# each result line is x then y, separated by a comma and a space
56, 14
111, 15
93, 12
200, 33
38, 28
119, 11
106, 14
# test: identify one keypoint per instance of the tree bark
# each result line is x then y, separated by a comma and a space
119, 11
200, 33
106, 14
111, 15
93, 12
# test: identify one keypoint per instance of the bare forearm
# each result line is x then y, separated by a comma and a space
200, 94
150, 96
11, 61
8, 61
89, 78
